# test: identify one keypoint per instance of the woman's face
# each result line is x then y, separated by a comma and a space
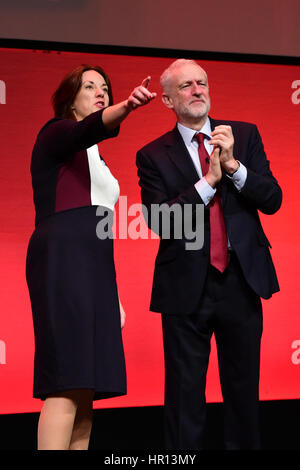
92, 96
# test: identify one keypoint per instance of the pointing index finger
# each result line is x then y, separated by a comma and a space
146, 81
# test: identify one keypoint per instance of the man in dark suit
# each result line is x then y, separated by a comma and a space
222, 166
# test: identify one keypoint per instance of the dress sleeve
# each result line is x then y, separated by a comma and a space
63, 137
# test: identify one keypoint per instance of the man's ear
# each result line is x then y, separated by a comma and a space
167, 101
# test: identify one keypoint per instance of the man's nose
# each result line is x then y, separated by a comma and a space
196, 90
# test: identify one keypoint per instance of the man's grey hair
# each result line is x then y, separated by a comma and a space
165, 76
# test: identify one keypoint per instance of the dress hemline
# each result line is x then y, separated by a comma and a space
98, 395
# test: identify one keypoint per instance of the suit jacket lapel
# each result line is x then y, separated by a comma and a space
180, 156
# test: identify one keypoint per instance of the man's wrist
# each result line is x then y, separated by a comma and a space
232, 167
211, 180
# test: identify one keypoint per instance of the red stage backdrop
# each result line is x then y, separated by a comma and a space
268, 95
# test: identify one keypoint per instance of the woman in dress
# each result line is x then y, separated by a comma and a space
70, 270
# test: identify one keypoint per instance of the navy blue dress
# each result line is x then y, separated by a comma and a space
70, 272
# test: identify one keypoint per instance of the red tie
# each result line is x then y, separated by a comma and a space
218, 237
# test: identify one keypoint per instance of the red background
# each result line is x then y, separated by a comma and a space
258, 93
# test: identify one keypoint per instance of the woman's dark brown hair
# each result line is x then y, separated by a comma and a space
63, 98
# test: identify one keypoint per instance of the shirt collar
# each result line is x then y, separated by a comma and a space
187, 133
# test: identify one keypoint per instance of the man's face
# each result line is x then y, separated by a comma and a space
187, 94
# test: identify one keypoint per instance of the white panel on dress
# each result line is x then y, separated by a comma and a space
105, 188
